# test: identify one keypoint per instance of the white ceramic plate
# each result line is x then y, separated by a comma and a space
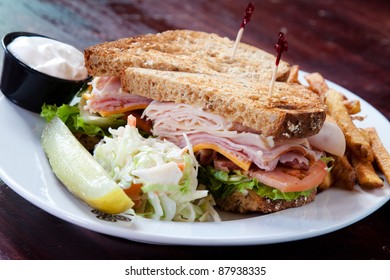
24, 167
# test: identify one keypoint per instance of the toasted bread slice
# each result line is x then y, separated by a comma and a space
292, 110
185, 51
251, 202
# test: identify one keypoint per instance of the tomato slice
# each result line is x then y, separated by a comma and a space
283, 179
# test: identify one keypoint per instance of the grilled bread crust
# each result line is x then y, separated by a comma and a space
251, 202
291, 111
184, 51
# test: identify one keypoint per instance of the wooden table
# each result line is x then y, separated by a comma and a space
347, 42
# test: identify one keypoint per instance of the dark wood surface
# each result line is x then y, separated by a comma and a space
347, 41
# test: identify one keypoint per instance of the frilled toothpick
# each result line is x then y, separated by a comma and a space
248, 13
280, 46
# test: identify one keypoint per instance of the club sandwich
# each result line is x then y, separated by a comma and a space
257, 152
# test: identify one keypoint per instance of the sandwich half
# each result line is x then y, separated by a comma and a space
254, 149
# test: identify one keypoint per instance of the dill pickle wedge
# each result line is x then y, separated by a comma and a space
81, 174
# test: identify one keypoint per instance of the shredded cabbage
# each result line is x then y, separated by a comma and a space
168, 175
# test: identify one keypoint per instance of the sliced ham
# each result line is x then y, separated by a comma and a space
171, 120
107, 98
264, 159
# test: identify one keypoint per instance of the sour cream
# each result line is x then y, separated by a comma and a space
49, 56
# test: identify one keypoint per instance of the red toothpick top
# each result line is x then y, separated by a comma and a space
248, 13
280, 46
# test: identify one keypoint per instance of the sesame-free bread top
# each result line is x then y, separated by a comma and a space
185, 51
292, 110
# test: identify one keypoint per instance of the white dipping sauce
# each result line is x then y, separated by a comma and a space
50, 57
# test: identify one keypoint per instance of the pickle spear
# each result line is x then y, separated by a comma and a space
81, 174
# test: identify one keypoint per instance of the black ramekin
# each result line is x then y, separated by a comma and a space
30, 88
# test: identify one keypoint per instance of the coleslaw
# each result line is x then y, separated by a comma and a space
160, 177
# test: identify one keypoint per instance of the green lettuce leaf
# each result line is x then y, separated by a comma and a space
112, 121
70, 115
82, 121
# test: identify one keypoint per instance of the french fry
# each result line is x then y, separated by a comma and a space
353, 106
363, 145
382, 157
327, 182
365, 134
317, 83
293, 76
343, 174
365, 173
355, 141
358, 118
